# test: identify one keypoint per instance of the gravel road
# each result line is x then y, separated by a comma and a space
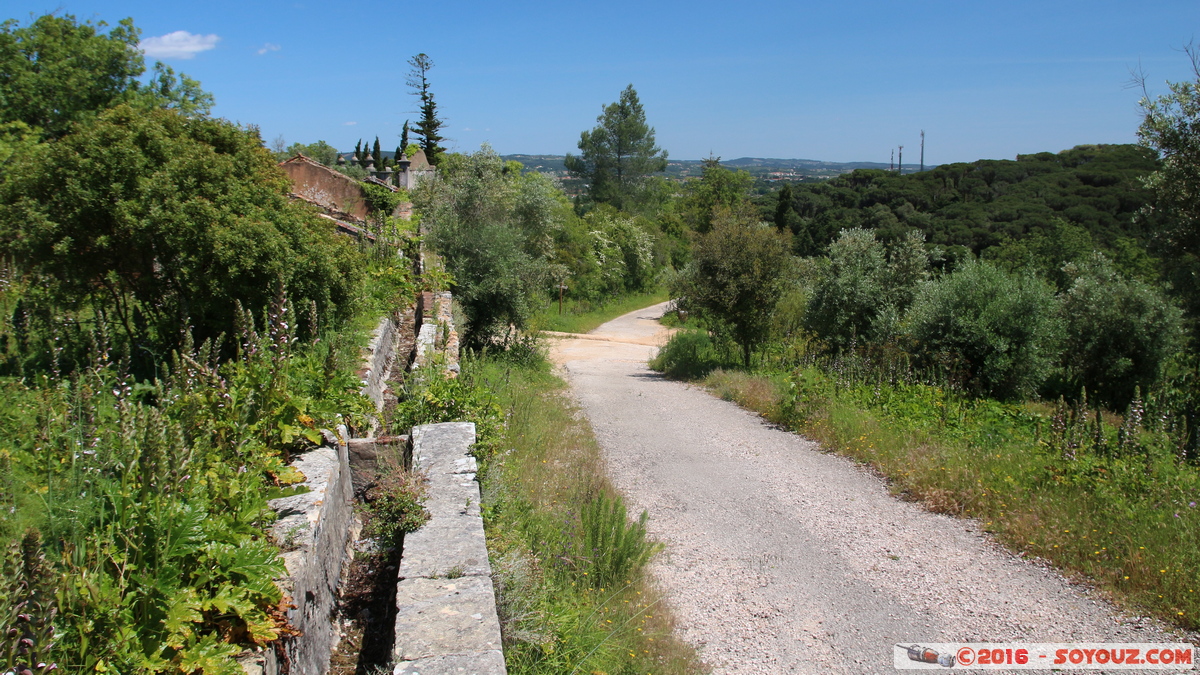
783, 559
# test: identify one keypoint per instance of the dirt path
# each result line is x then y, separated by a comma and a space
783, 559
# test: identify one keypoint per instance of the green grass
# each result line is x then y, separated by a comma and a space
580, 316
564, 608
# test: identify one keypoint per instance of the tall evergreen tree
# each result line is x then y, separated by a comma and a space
378, 154
616, 157
404, 137
358, 152
429, 125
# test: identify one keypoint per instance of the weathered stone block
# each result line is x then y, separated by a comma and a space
473, 663
445, 616
437, 446
453, 545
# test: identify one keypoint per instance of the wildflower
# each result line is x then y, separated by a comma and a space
1191, 505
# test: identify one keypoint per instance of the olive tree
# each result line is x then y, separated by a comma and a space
491, 225
735, 277
1000, 332
1119, 333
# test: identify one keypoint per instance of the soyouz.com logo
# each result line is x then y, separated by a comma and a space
1044, 656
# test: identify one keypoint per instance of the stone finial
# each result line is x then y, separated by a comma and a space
370, 163
341, 160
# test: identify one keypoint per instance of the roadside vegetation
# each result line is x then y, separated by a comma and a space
1011, 341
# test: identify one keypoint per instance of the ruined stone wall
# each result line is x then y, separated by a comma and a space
337, 193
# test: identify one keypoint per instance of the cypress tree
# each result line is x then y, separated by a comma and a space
358, 152
430, 124
379, 163
404, 137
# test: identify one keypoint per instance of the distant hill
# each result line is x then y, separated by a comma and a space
790, 169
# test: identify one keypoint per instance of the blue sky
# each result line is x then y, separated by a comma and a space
815, 80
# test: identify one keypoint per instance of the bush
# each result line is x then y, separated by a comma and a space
159, 222
865, 288
1119, 334
440, 398
689, 355
395, 505
491, 226
998, 333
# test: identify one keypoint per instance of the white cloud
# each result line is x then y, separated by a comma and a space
349, 124
269, 47
178, 45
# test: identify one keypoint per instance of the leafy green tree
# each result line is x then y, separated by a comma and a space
619, 154
735, 278
56, 71
1120, 333
16, 138
490, 224
429, 126
1171, 126
319, 151
158, 221
999, 332
180, 93
718, 188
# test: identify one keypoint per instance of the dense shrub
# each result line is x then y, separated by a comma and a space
492, 226
1119, 333
159, 221
997, 332
865, 288
690, 354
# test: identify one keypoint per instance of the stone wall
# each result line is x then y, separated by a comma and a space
446, 618
313, 530
437, 334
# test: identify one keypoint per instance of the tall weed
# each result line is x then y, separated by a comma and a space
613, 547
151, 496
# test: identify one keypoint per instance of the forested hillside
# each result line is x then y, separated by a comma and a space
982, 204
